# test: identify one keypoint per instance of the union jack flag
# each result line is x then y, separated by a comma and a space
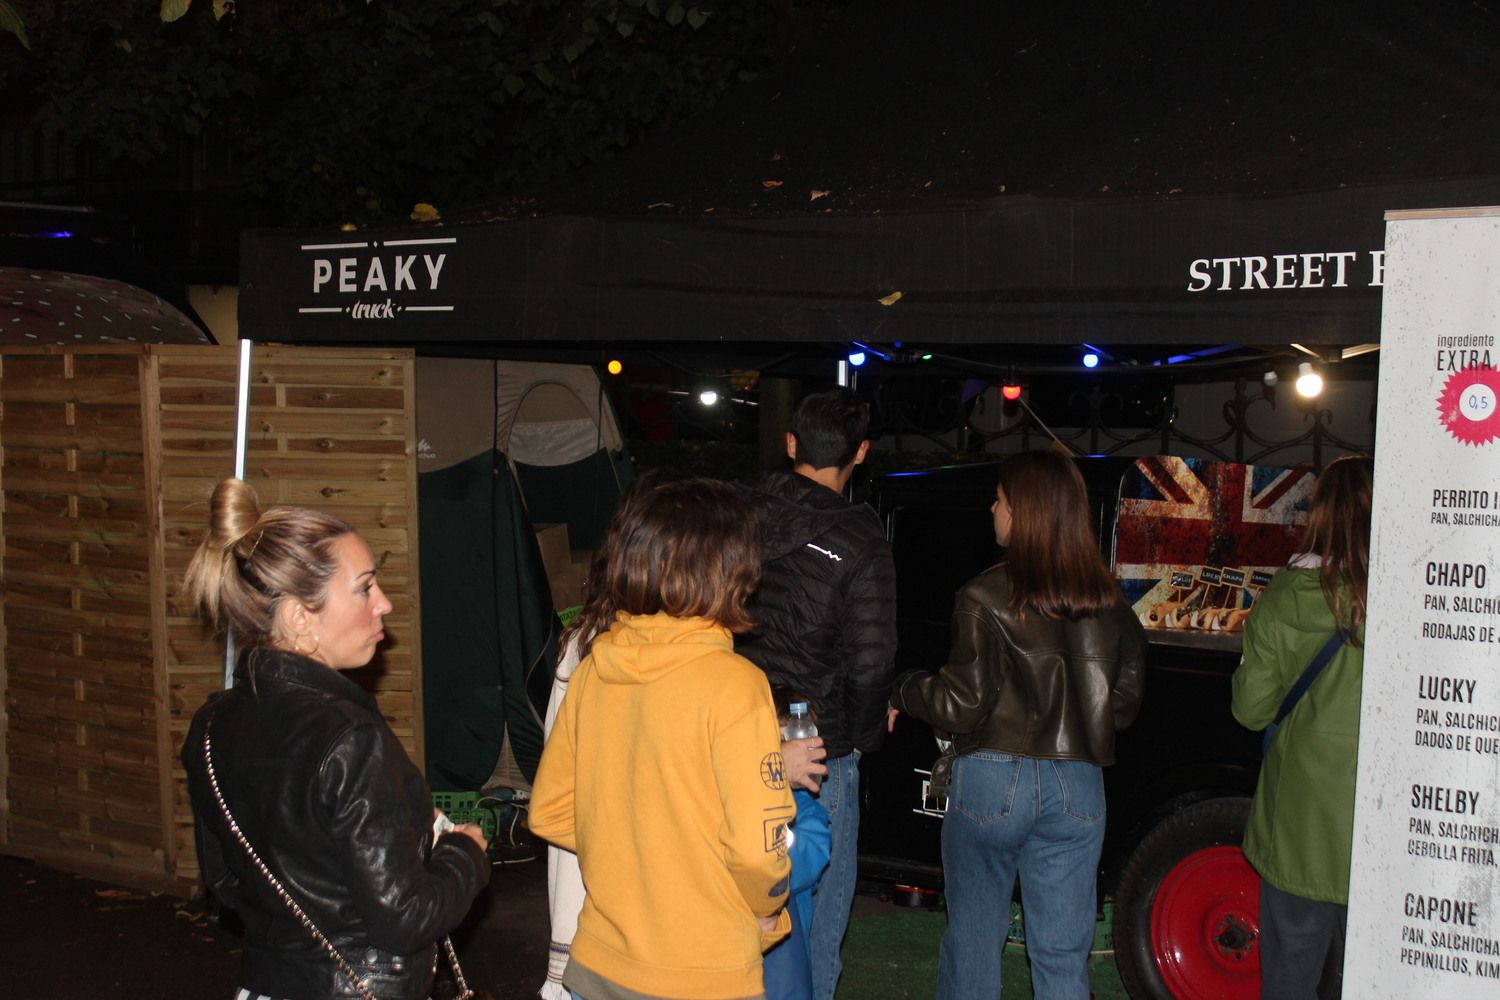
1181, 516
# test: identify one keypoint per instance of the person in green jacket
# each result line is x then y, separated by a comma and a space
1301, 826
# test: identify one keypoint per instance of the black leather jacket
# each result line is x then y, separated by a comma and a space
326, 795
1037, 688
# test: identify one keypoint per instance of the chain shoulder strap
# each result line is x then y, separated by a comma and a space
359, 984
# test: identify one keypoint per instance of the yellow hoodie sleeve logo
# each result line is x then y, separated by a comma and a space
773, 770
774, 826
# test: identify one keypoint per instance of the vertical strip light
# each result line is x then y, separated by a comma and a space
241, 425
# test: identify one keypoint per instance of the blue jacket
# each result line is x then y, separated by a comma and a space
787, 966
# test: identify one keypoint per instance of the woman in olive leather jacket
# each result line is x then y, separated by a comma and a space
1045, 666
310, 771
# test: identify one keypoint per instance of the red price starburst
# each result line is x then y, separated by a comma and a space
1469, 405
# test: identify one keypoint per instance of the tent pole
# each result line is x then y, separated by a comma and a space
241, 423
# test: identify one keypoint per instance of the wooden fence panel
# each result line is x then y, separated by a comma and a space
330, 429
80, 765
107, 460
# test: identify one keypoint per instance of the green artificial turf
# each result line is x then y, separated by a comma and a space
893, 955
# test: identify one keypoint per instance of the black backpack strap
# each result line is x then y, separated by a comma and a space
1309, 675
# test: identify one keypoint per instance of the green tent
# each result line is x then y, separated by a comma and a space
489, 627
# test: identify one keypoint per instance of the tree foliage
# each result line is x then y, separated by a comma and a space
11, 23
342, 110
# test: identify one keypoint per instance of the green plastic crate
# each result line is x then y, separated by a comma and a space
468, 807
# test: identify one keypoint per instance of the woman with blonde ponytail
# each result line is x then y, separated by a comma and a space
304, 762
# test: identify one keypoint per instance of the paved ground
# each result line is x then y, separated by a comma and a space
68, 938
63, 937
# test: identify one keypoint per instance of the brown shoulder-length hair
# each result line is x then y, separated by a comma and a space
686, 547
598, 610
1338, 532
1056, 569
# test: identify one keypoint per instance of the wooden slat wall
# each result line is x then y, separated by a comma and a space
331, 429
106, 450
83, 771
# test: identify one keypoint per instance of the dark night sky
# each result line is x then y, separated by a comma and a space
902, 105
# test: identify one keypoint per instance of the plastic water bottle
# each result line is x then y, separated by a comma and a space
798, 724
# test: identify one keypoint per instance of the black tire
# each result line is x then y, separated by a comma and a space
1215, 823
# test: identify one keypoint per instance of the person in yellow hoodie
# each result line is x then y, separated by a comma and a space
664, 770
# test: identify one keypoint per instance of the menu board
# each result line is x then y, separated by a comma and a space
1424, 900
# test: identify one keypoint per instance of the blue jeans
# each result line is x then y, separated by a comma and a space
1045, 820
834, 895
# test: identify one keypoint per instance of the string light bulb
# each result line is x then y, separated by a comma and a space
1309, 382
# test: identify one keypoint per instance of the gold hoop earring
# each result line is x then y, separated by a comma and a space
297, 645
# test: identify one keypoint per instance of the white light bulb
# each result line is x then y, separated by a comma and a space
708, 397
1309, 382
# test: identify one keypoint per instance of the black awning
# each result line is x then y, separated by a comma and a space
1226, 269
1162, 172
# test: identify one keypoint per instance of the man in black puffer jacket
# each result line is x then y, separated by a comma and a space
826, 614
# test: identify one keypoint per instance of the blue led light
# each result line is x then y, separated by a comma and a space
1091, 360
856, 358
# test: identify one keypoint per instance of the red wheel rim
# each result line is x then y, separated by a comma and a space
1205, 925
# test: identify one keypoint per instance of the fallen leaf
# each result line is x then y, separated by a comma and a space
113, 894
890, 299
775, 157
770, 184
423, 212
818, 194
661, 204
